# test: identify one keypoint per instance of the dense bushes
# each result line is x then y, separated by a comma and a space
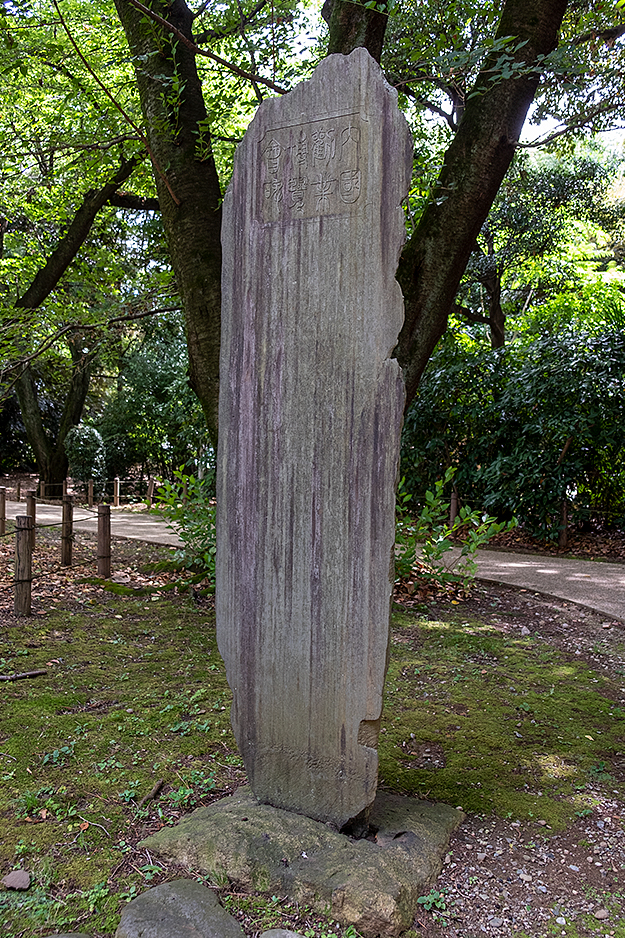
87, 457
529, 427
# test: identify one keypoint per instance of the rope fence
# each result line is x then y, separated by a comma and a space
117, 489
25, 542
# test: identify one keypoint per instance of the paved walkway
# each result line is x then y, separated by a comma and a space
137, 525
596, 585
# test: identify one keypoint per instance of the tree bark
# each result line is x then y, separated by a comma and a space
434, 260
50, 453
352, 25
193, 227
47, 278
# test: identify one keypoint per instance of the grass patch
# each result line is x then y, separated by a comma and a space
136, 692
496, 723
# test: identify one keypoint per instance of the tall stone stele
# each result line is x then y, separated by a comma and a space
310, 416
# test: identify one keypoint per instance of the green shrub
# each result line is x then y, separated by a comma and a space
188, 504
87, 457
426, 540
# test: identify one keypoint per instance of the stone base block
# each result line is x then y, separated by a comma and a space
372, 883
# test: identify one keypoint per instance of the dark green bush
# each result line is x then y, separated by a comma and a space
527, 428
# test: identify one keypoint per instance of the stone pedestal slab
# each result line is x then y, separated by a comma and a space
371, 884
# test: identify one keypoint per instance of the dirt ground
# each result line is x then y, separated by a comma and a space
505, 877
500, 876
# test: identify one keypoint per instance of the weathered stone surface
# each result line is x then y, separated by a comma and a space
372, 885
17, 879
180, 909
310, 414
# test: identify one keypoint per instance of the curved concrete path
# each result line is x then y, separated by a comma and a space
597, 585
137, 525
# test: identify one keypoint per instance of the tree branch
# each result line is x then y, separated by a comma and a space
583, 122
47, 278
24, 362
214, 35
137, 202
115, 103
603, 35
209, 55
468, 315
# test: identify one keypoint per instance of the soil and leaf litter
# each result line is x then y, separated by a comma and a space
505, 703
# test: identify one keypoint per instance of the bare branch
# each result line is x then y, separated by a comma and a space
602, 35
467, 314
424, 102
577, 125
209, 55
137, 202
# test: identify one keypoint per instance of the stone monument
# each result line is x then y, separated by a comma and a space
310, 414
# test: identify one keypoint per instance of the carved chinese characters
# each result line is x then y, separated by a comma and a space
312, 169
310, 413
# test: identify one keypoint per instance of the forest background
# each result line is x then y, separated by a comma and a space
117, 131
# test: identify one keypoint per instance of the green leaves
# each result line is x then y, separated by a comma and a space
526, 428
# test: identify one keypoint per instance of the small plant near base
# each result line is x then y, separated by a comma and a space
432, 533
188, 505
435, 899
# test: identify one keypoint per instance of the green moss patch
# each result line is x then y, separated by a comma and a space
135, 694
496, 723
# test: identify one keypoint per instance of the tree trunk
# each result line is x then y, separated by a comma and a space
50, 453
193, 227
434, 260
497, 319
352, 26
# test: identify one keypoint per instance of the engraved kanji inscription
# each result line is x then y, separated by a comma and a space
313, 168
349, 185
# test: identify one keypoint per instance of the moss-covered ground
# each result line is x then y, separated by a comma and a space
505, 725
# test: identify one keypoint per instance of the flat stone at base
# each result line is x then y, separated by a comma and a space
373, 886
17, 879
180, 909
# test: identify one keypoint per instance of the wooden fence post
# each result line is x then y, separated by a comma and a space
563, 537
23, 564
31, 510
90, 495
64, 487
67, 532
3, 509
453, 508
18, 492
42, 489
116, 492
104, 541
150, 494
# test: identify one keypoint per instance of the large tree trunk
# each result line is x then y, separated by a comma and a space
434, 260
192, 215
50, 451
